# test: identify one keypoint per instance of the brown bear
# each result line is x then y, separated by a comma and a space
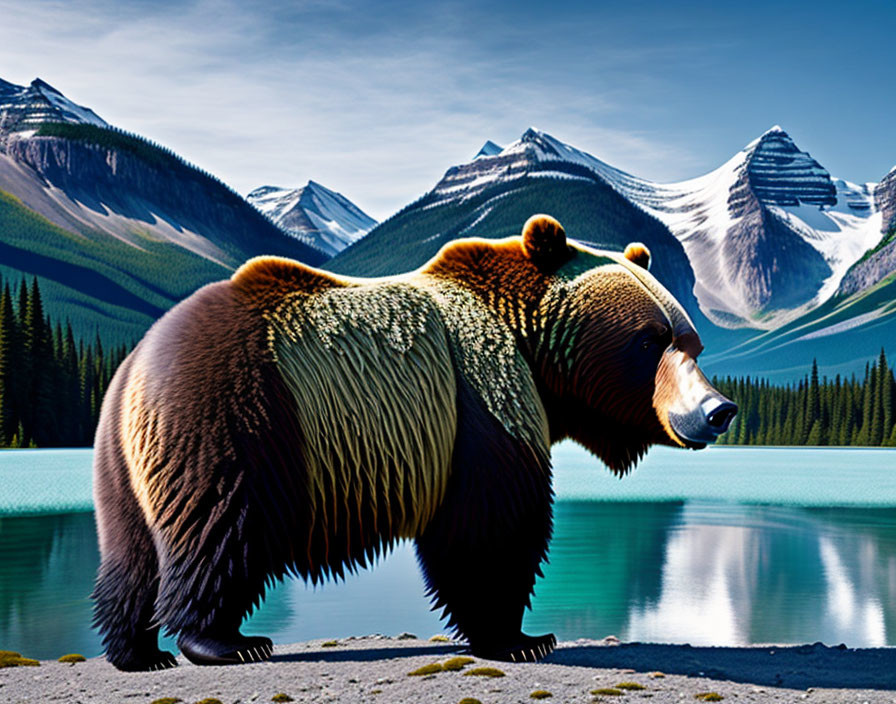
293, 421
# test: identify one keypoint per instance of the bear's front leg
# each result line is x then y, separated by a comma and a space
484, 585
481, 553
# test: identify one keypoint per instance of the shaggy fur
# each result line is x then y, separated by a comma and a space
289, 420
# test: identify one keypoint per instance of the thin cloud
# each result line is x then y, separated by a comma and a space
370, 106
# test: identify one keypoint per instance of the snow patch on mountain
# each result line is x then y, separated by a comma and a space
314, 214
843, 326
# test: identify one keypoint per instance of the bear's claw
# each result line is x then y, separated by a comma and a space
230, 651
257, 654
165, 663
526, 649
161, 660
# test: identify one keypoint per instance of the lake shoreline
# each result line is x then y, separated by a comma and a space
375, 668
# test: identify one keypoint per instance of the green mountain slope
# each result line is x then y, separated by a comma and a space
99, 283
842, 334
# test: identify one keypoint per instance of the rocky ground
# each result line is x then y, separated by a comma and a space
377, 669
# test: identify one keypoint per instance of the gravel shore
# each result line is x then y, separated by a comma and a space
375, 669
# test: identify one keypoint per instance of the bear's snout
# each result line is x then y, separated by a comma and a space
693, 410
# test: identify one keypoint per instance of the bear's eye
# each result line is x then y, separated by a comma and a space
653, 339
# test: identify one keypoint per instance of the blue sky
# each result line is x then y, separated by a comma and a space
377, 99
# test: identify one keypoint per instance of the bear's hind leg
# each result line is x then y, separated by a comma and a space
481, 553
213, 575
128, 578
124, 597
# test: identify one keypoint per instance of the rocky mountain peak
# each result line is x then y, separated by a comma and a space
781, 174
543, 143
39, 84
26, 107
488, 149
313, 214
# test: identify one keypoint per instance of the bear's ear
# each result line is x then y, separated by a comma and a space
544, 241
638, 253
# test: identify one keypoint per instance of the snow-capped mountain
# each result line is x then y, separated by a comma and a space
117, 228
26, 107
319, 217
760, 251
769, 234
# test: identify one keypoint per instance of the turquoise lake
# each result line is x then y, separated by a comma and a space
728, 546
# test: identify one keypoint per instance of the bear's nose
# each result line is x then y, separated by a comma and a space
720, 417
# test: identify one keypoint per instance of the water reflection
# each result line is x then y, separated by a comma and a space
728, 574
703, 573
47, 567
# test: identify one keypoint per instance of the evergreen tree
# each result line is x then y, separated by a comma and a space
863, 437
8, 364
40, 419
813, 400
815, 437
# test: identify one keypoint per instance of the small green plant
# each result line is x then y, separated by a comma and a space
430, 669
329, 644
540, 694
376, 691
439, 638
484, 672
10, 658
456, 663
281, 697
72, 658
607, 692
631, 686
209, 700
469, 700
166, 700
709, 696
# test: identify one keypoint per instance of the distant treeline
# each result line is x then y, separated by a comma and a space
51, 386
815, 411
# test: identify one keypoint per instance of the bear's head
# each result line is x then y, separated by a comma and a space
612, 352
616, 360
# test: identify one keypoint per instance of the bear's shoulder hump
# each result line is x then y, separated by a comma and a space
269, 278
